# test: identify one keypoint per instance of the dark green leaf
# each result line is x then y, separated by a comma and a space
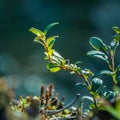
37, 32
98, 54
80, 85
49, 27
118, 81
96, 83
110, 95
53, 67
98, 44
118, 67
105, 72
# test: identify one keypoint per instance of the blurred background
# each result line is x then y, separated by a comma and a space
21, 60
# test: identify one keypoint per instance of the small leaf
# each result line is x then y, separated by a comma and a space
38, 41
87, 72
98, 44
53, 67
96, 83
118, 81
110, 95
57, 54
49, 27
118, 67
37, 32
99, 55
50, 41
87, 97
117, 30
105, 72
80, 85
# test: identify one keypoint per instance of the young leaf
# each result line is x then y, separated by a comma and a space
50, 41
117, 30
98, 44
96, 83
53, 67
105, 72
49, 27
37, 32
98, 54
80, 85
38, 41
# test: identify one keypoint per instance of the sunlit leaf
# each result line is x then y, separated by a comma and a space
98, 44
117, 30
96, 83
57, 54
37, 32
38, 41
80, 85
53, 67
49, 27
98, 54
50, 41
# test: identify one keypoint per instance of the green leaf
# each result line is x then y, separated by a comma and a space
50, 41
80, 85
118, 81
98, 54
116, 29
105, 72
38, 41
110, 95
87, 72
96, 83
49, 27
37, 32
118, 67
87, 97
98, 44
53, 67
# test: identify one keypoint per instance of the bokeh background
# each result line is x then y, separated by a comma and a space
21, 61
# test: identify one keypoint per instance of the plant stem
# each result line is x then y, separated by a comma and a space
113, 66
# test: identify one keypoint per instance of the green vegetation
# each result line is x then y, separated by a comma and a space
104, 104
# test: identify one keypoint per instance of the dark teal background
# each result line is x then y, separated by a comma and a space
21, 60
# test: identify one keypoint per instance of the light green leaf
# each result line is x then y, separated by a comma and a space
117, 30
53, 67
50, 41
98, 44
98, 54
37, 32
38, 41
49, 27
